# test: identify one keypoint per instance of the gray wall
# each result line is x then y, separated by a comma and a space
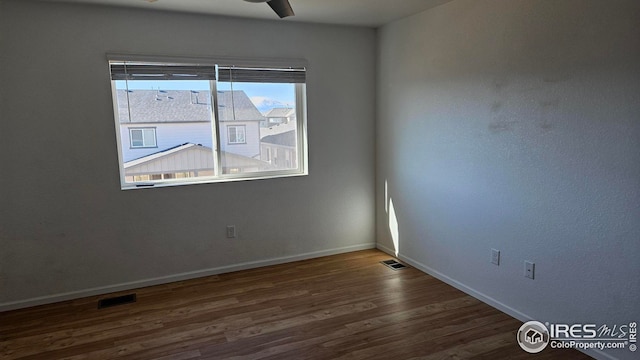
67, 228
515, 125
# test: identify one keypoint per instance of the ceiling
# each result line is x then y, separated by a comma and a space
372, 13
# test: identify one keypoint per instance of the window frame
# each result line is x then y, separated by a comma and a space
142, 130
301, 120
236, 127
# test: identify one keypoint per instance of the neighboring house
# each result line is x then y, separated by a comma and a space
239, 124
278, 116
182, 161
278, 145
167, 134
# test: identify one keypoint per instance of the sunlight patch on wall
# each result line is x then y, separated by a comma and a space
386, 197
393, 228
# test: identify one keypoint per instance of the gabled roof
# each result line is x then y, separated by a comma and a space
162, 153
189, 157
183, 158
281, 112
168, 106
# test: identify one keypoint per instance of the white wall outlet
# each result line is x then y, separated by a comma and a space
495, 257
231, 231
529, 269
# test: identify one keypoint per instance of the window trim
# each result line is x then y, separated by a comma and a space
143, 146
244, 134
276, 63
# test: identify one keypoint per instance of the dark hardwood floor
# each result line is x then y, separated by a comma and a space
347, 306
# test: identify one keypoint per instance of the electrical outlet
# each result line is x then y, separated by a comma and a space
231, 231
529, 269
495, 257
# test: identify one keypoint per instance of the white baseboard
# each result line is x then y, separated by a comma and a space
176, 277
597, 354
458, 285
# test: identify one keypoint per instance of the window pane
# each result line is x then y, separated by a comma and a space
261, 125
232, 134
136, 138
178, 134
149, 136
240, 134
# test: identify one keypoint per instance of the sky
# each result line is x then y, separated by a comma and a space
284, 94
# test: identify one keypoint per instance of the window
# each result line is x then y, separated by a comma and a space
206, 121
142, 138
236, 134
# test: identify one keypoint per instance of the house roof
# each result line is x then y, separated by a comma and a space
183, 158
281, 112
236, 105
168, 106
285, 139
282, 134
277, 129
160, 154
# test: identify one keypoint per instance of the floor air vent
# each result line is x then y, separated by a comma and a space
394, 264
118, 300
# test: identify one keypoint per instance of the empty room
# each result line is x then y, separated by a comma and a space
319, 179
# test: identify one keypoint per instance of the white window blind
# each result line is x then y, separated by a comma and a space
261, 75
158, 71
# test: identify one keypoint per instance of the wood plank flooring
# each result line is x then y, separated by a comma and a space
346, 306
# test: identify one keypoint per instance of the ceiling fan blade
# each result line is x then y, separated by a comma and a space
281, 7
